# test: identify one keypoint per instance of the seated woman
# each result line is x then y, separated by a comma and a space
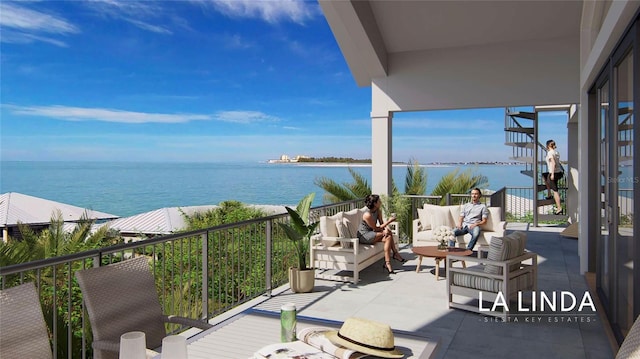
369, 232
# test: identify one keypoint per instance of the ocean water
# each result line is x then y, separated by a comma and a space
126, 188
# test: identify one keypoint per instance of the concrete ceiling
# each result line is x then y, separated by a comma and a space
368, 32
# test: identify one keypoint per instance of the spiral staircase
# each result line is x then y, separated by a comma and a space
521, 133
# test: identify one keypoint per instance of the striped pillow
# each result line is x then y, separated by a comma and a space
504, 248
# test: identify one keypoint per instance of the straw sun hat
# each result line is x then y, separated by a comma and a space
366, 336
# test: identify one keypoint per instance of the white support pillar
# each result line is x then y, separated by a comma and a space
381, 161
589, 185
573, 196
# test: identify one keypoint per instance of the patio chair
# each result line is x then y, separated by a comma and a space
120, 298
23, 332
630, 348
506, 270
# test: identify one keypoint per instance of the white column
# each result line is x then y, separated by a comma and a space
381, 161
573, 198
588, 185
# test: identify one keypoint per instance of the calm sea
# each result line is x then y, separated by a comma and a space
125, 189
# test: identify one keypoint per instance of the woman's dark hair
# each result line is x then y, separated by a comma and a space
371, 200
550, 142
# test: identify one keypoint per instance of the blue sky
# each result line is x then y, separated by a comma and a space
203, 80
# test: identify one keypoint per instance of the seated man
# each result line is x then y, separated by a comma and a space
472, 216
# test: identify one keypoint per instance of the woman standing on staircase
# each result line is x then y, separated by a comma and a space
555, 173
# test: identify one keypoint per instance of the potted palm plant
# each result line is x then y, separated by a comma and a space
299, 230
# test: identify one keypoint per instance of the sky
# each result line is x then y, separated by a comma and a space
204, 81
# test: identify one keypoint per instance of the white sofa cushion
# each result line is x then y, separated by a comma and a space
440, 216
425, 218
343, 230
493, 221
343, 255
328, 225
328, 229
352, 220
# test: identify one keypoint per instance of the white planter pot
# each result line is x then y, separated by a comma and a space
301, 281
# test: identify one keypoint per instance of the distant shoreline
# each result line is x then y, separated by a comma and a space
368, 164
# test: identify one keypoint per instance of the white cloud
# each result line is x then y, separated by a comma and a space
244, 117
67, 113
267, 10
132, 12
149, 27
22, 25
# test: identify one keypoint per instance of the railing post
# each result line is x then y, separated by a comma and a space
97, 260
498, 199
267, 264
448, 199
205, 276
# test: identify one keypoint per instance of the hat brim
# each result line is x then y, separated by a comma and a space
335, 339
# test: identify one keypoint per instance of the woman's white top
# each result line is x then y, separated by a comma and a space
552, 153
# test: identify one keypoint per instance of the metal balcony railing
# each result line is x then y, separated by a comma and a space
199, 274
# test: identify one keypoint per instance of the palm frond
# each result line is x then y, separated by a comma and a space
334, 192
14, 252
459, 182
445, 184
360, 187
416, 179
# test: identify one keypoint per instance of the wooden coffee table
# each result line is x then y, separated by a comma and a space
439, 255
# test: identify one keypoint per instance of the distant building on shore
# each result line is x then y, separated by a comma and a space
287, 159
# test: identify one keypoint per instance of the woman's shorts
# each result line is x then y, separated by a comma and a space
553, 183
367, 237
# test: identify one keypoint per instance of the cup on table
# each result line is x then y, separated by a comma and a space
174, 347
133, 345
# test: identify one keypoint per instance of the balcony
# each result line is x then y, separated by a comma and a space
408, 301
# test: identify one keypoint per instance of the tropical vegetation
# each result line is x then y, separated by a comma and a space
52, 242
299, 230
454, 182
236, 256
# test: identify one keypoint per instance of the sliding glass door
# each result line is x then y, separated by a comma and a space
622, 190
618, 250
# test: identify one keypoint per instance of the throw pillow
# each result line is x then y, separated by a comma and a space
497, 252
493, 221
455, 212
328, 229
343, 231
504, 248
352, 220
440, 216
328, 225
425, 219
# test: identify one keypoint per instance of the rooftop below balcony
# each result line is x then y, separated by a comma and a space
417, 303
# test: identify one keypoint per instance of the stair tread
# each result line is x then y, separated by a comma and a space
551, 217
522, 114
527, 130
545, 202
520, 144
